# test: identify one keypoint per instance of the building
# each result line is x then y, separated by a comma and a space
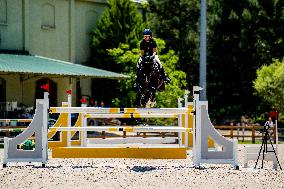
56, 33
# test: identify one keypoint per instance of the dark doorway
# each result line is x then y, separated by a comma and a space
52, 90
2, 90
2, 97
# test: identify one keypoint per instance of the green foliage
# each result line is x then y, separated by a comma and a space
243, 35
128, 59
177, 23
269, 84
120, 23
175, 89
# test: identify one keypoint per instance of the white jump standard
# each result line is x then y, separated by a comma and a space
38, 126
203, 129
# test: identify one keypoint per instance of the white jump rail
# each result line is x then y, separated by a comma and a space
99, 110
136, 113
125, 128
202, 130
132, 115
147, 129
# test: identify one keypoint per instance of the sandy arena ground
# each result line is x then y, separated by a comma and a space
137, 173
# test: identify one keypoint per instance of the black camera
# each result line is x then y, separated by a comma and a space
266, 125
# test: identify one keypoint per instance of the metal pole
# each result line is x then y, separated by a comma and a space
202, 65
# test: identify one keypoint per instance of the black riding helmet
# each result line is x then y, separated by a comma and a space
147, 32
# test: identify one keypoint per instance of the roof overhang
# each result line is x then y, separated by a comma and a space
38, 65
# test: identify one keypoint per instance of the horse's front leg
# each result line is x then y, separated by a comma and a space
152, 94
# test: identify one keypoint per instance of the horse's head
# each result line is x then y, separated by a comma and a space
147, 59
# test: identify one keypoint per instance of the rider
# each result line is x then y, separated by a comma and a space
148, 45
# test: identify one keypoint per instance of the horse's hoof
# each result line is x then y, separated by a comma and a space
148, 104
153, 104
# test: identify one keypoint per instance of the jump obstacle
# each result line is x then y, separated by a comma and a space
193, 115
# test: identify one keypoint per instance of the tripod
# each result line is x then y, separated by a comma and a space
263, 147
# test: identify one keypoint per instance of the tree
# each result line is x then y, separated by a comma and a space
243, 36
127, 57
269, 84
177, 23
120, 23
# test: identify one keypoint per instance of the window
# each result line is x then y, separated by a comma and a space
48, 16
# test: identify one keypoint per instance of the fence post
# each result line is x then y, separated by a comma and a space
238, 130
253, 134
232, 132
274, 133
243, 131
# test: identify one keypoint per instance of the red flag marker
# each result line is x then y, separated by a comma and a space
69, 91
83, 100
45, 87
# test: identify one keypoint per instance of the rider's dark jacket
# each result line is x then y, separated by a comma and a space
148, 46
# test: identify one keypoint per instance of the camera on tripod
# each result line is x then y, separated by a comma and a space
266, 139
266, 127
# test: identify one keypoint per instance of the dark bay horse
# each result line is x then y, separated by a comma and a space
149, 80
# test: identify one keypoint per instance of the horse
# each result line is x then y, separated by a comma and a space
149, 81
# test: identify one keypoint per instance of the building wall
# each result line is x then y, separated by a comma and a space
12, 87
58, 29
24, 91
86, 18
11, 24
49, 28
63, 84
29, 86
61, 29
